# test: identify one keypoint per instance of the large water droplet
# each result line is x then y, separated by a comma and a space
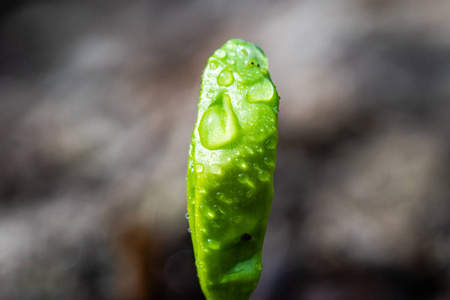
218, 126
261, 91
225, 78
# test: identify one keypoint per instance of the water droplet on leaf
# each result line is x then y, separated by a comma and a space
220, 53
225, 78
262, 91
216, 169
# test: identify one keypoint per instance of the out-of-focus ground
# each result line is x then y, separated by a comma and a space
97, 103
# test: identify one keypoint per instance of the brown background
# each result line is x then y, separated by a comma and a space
97, 103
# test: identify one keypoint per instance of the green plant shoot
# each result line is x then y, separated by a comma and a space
230, 170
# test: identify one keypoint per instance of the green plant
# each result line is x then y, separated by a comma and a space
230, 170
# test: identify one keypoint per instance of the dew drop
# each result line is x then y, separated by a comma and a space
214, 155
263, 175
213, 65
220, 53
262, 91
225, 78
244, 179
275, 109
189, 229
249, 193
241, 163
232, 54
199, 168
216, 169
243, 53
213, 244
186, 216
268, 161
271, 143
250, 151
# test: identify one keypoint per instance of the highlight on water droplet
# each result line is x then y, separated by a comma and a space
198, 168
242, 178
241, 163
225, 78
220, 53
213, 65
186, 216
213, 244
261, 91
216, 169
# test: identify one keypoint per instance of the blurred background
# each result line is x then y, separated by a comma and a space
97, 103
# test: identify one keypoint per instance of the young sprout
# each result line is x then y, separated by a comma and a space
230, 170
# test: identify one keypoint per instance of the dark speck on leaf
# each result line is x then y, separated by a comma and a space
245, 237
